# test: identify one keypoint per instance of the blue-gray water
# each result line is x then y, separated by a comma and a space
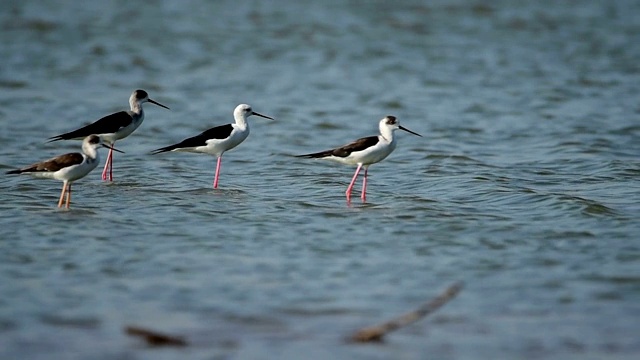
524, 186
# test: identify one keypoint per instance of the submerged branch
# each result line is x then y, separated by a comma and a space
155, 338
377, 332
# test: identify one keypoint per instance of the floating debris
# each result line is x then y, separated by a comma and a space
155, 338
377, 332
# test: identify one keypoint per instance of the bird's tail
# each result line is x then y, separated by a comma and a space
164, 149
55, 138
76, 134
17, 171
317, 155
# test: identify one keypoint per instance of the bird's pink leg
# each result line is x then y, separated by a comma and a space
111, 165
353, 181
68, 195
364, 185
215, 180
107, 166
64, 189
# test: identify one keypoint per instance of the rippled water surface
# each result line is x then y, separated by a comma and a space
524, 187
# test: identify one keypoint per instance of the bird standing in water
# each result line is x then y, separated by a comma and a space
68, 167
364, 151
219, 139
113, 127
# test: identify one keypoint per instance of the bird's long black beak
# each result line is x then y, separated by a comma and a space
264, 116
157, 103
409, 131
112, 148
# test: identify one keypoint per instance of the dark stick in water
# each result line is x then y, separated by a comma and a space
154, 338
377, 332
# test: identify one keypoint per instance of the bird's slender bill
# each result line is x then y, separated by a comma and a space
112, 148
409, 131
264, 116
157, 103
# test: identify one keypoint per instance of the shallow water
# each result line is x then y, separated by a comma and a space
524, 186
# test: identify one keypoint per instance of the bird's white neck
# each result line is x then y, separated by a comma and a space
241, 121
136, 106
91, 152
387, 133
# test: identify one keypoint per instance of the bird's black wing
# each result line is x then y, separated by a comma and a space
218, 132
345, 150
108, 124
52, 165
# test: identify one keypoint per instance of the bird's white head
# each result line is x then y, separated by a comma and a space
243, 111
92, 142
390, 124
139, 97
